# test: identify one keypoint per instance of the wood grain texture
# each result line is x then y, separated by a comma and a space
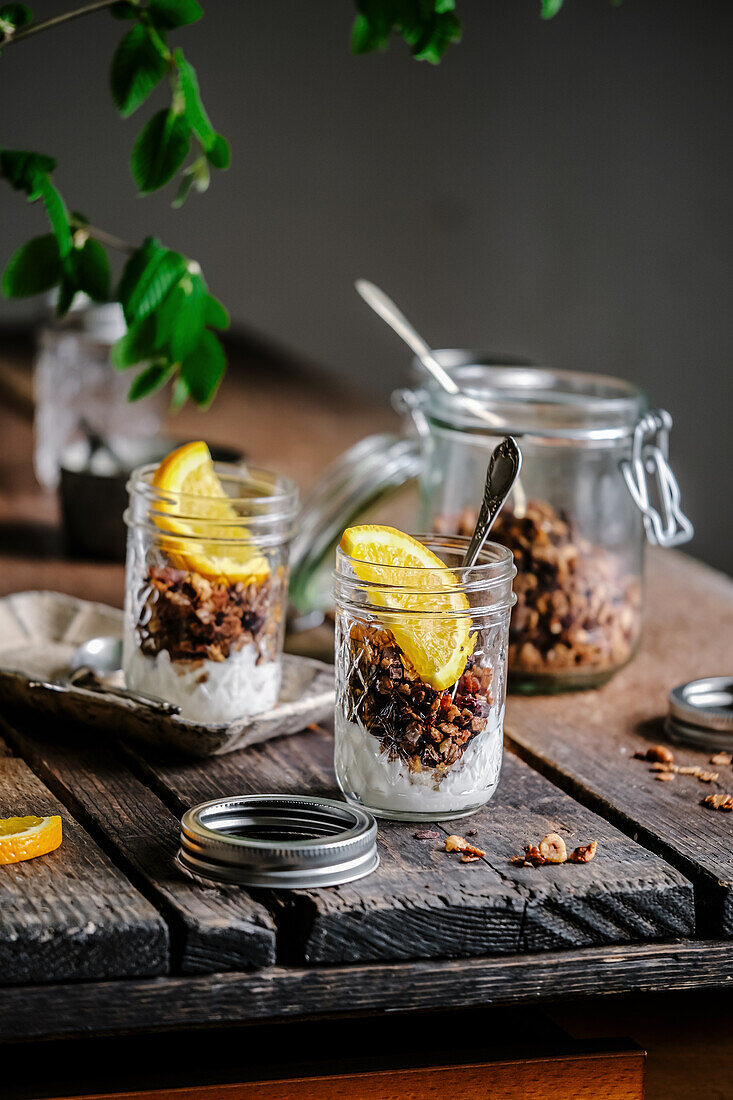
71, 913
424, 903
617, 1076
586, 742
289, 993
214, 928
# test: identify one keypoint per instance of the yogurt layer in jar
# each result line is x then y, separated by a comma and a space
421, 654
206, 585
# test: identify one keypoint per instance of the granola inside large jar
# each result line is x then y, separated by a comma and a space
206, 585
419, 736
595, 486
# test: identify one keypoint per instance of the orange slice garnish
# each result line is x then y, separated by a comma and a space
200, 510
433, 625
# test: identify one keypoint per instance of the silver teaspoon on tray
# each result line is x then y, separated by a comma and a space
99, 657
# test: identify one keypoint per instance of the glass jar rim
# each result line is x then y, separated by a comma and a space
284, 500
494, 570
531, 400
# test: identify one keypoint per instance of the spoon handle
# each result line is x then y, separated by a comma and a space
383, 305
503, 471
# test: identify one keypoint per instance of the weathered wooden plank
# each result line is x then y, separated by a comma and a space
423, 903
71, 913
212, 928
35, 1012
586, 742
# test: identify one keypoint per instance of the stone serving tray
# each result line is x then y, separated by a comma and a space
40, 630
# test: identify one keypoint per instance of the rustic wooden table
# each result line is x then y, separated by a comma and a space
105, 935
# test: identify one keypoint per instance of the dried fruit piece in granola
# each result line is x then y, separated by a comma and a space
427, 834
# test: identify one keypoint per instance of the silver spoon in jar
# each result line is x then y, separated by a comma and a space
502, 473
383, 305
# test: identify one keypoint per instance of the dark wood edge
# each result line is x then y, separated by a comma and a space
85, 1008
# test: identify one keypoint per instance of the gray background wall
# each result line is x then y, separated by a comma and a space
555, 189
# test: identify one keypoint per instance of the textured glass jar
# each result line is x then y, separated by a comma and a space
205, 616
594, 474
403, 749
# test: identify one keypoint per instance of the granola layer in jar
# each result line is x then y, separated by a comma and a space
416, 739
206, 587
578, 611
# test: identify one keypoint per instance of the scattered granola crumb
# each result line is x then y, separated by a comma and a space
664, 777
552, 848
533, 856
455, 843
518, 860
670, 770
469, 858
722, 802
427, 834
722, 759
584, 853
471, 832
658, 754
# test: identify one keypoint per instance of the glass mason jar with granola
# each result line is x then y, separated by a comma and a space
421, 650
207, 580
595, 485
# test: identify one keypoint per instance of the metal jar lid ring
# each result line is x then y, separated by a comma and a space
701, 712
278, 841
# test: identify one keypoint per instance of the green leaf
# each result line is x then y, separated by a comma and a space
428, 26
149, 380
136, 346
434, 41
550, 8
196, 114
58, 215
203, 369
133, 271
366, 37
160, 150
137, 67
180, 394
34, 268
167, 14
92, 270
15, 15
180, 318
155, 283
219, 155
215, 315
183, 189
21, 170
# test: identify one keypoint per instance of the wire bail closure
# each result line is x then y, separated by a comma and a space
668, 525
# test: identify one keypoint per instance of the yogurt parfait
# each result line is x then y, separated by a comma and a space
207, 585
421, 653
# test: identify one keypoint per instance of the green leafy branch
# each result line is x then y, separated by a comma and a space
169, 312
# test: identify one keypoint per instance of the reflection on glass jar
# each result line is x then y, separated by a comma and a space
205, 597
574, 524
407, 747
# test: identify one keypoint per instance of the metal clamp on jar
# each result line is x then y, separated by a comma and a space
595, 479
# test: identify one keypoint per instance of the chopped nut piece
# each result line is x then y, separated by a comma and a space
707, 777
584, 853
722, 759
533, 855
552, 848
460, 844
517, 859
469, 858
427, 834
664, 777
722, 802
471, 832
658, 754
668, 771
